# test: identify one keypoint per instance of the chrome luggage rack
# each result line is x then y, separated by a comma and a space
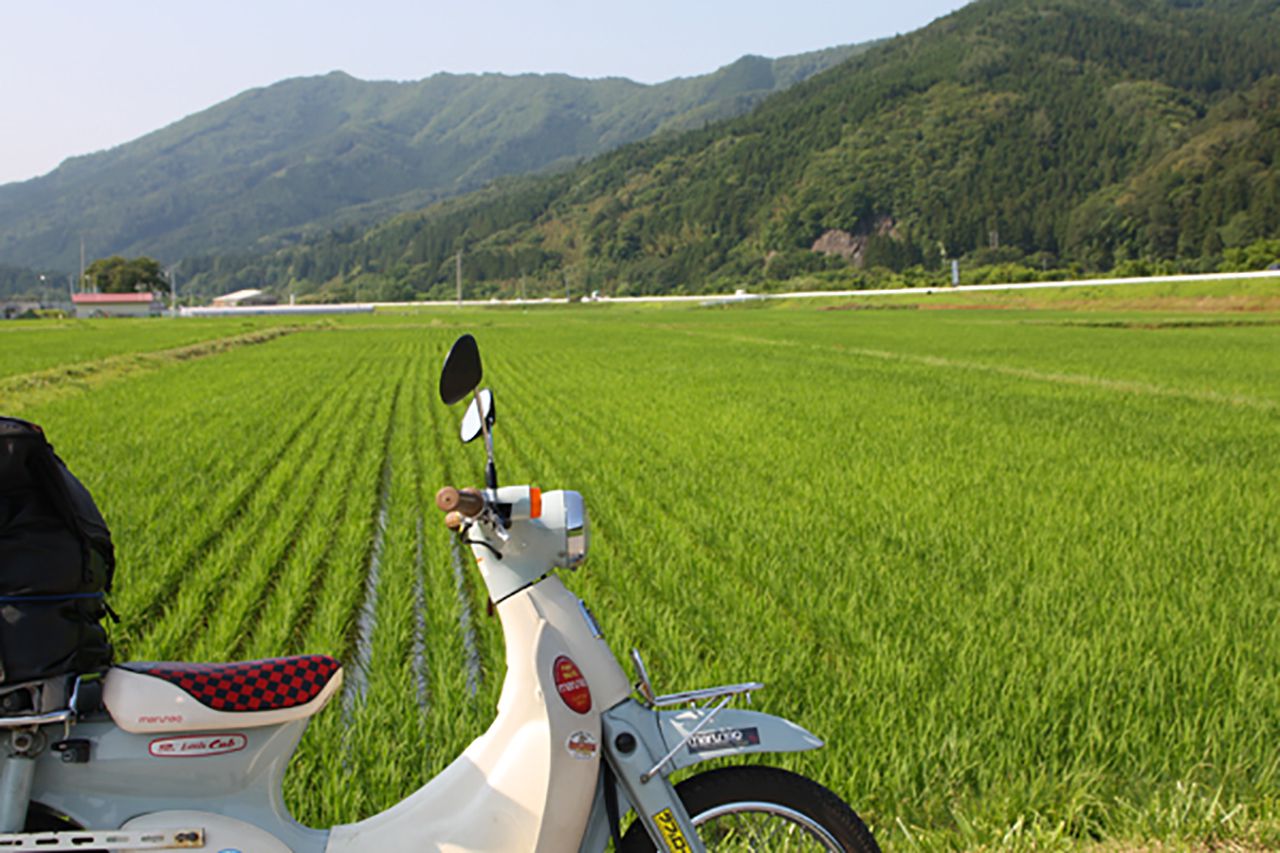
49, 703
65, 716
687, 697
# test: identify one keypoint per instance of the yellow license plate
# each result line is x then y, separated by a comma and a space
671, 833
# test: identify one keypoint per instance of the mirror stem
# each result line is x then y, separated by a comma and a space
490, 470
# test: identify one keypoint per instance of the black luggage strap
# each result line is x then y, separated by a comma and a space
54, 599
62, 596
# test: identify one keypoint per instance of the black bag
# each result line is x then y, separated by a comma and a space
56, 563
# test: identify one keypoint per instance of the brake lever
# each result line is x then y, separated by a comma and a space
490, 524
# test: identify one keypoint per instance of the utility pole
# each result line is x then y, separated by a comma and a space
82, 260
173, 289
458, 260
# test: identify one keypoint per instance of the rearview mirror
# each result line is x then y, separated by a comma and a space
479, 414
462, 371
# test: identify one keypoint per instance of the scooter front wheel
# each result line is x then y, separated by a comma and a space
763, 808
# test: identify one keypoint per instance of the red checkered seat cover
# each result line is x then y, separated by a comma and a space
256, 685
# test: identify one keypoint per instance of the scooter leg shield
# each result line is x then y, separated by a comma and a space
527, 784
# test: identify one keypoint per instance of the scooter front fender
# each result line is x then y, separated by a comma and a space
734, 731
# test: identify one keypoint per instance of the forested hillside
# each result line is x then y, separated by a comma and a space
1054, 133
307, 154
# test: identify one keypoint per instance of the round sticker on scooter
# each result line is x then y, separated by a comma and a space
582, 746
571, 685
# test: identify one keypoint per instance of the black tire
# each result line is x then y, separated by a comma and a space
733, 805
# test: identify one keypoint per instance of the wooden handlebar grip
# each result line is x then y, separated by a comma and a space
468, 502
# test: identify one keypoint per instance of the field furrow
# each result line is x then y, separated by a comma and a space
314, 495
275, 510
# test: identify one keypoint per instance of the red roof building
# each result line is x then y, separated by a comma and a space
117, 304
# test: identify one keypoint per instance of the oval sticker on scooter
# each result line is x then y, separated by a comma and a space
571, 685
196, 746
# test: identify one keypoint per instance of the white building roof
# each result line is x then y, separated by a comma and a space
237, 296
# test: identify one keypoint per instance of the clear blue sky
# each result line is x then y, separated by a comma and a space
84, 75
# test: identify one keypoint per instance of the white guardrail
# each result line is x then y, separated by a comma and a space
722, 298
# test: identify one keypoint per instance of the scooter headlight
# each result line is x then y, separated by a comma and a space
577, 531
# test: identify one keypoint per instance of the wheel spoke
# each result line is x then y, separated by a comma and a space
760, 826
768, 809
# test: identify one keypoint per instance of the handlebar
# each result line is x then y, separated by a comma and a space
468, 502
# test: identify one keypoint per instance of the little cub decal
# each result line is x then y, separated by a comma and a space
197, 746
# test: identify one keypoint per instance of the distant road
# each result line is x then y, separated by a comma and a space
899, 291
740, 296
968, 288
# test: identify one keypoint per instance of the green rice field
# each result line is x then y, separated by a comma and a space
1018, 564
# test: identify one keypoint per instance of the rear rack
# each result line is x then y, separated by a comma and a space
48, 702
692, 697
29, 720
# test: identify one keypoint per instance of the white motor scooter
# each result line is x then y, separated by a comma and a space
162, 756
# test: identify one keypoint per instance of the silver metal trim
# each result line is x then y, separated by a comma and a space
642, 675
36, 720
117, 839
707, 694
74, 702
645, 686
814, 828
590, 618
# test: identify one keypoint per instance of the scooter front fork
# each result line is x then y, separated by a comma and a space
16, 775
633, 746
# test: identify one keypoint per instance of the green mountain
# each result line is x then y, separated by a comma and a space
273, 163
1047, 132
